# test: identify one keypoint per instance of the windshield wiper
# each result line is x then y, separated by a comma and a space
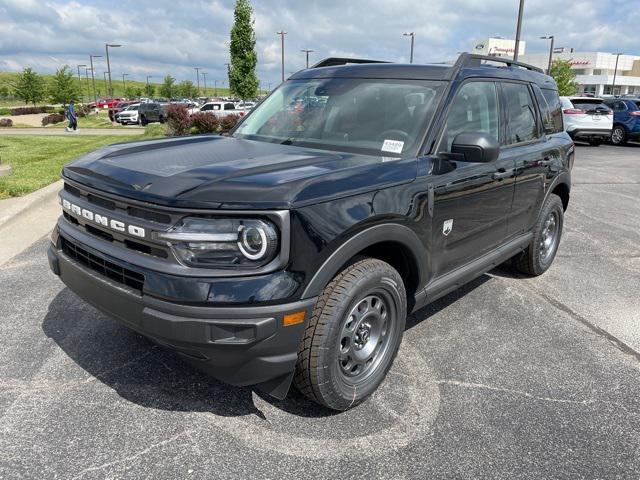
288, 141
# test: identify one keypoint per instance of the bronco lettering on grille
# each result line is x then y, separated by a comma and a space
111, 223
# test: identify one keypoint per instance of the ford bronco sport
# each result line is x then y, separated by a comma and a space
293, 249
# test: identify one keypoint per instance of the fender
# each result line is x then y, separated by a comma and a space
391, 232
563, 177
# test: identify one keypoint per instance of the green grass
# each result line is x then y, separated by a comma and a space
38, 160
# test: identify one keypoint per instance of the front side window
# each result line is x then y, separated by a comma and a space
520, 113
373, 116
474, 109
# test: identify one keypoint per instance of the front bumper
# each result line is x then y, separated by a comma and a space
238, 344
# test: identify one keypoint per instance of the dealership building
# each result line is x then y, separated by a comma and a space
594, 71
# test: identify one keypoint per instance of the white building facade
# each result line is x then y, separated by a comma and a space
595, 71
497, 47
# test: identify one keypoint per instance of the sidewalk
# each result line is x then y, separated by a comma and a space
84, 131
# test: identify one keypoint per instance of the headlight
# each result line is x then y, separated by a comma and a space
222, 242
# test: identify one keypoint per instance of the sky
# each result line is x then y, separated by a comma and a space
162, 37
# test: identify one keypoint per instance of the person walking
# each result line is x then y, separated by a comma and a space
70, 113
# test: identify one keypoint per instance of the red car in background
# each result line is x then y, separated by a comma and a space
106, 102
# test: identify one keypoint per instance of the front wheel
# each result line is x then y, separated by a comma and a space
618, 135
353, 335
539, 255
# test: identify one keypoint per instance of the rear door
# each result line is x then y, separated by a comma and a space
471, 201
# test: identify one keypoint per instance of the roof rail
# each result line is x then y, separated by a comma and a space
473, 60
335, 61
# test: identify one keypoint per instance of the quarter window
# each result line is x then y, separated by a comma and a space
554, 107
474, 109
520, 113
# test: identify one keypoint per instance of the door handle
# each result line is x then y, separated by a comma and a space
500, 174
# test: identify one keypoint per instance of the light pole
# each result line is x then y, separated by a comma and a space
197, 69
228, 65
215, 88
550, 37
124, 83
86, 74
80, 79
282, 33
104, 79
307, 52
93, 77
518, 30
204, 80
106, 47
615, 72
413, 37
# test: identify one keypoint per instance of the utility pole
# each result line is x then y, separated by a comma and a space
86, 74
124, 83
104, 79
550, 37
197, 69
228, 65
518, 30
282, 33
80, 80
413, 37
615, 72
93, 77
106, 47
307, 52
204, 79
215, 88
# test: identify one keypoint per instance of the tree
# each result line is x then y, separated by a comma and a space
30, 86
4, 92
243, 81
565, 78
168, 87
64, 87
187, 89
149, 90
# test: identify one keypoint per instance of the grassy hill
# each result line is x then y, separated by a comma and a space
8, 78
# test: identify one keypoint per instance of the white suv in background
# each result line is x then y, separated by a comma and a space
587, 119
129, 115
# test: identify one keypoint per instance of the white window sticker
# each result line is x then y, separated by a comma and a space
393, 146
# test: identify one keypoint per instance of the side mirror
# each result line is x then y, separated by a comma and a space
475, 147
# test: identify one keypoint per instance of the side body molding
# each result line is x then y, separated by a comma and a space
391, 232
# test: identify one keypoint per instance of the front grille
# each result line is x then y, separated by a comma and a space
98, 264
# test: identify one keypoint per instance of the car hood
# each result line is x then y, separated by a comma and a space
211, 171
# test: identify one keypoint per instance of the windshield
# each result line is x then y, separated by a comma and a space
373, 116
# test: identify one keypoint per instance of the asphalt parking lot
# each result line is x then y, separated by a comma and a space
508, 377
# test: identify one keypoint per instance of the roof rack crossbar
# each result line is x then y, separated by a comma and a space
335, 61
470, 60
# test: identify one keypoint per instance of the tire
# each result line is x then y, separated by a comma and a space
161, 119
143, 121
360, 313
618, 135
539, 255
595, 142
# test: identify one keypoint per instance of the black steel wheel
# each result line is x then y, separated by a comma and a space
353, 335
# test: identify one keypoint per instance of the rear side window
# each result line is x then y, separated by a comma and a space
554, 107
474, 109
520, 113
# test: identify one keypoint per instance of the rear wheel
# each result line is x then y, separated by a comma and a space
539, 255
618, 135
143, 121
161, 119
353, 335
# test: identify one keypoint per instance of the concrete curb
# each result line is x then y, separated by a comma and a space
25, 220
5, 170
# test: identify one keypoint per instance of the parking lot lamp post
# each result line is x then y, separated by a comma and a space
282, 33
307, 52
124, 83
197, 69
106, 85
148, 77
615, 72
93, 77
413, 37
112, 45
518, 30
215, 88
86, 74
204, 81
80, 79
550, 37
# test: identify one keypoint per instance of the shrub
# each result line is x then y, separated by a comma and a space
52, 118
178, 120
203, 122
6, 122
5, 111
28, 110
228, 122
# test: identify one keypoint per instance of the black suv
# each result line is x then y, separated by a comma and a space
151, 112
293, 249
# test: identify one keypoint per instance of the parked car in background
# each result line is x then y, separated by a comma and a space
587, 119
151, 112
219, 109
117, 108
128, 116
626, 119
